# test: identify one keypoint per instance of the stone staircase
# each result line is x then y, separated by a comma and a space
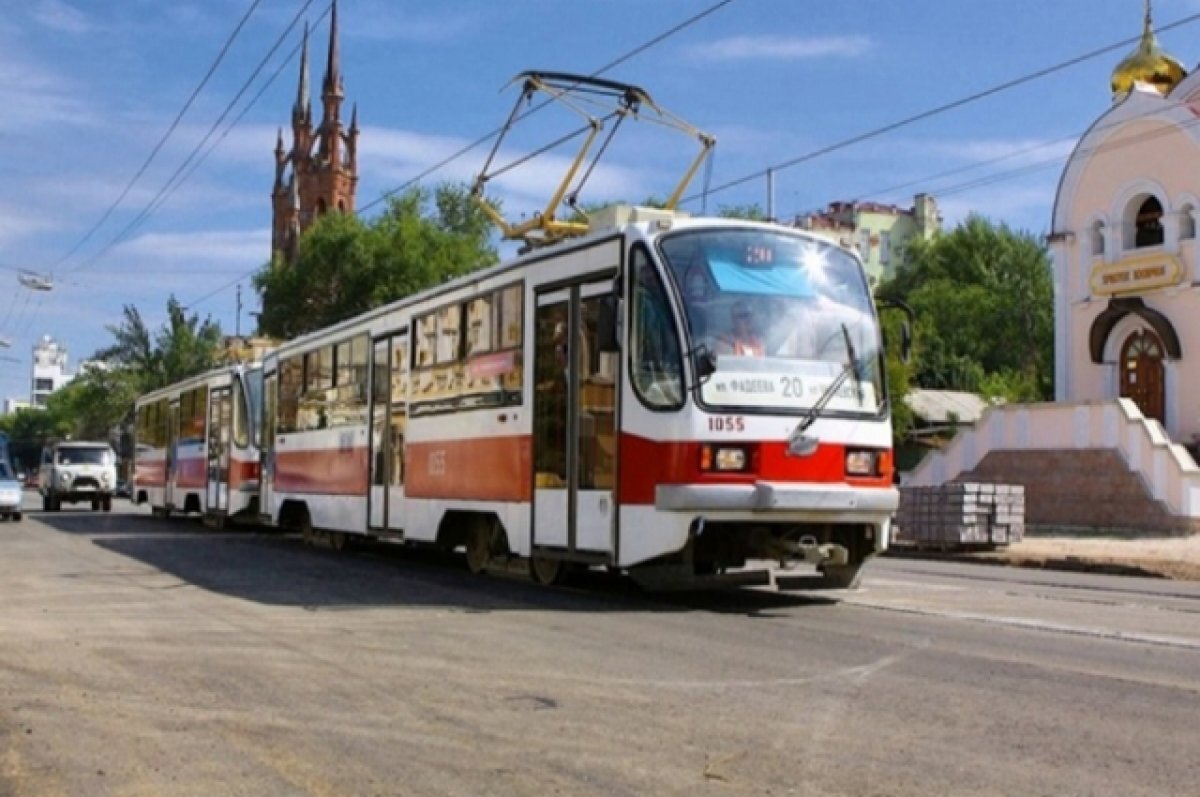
1095, 466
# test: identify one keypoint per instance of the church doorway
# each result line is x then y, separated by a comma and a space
1142, 374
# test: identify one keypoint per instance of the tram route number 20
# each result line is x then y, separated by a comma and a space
726, 423
437, 463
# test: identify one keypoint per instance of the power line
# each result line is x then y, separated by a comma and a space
641, 48
940, 109
163, 140
149, 209
1030, 168
485, 138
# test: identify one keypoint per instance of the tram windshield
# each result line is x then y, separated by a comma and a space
785, 316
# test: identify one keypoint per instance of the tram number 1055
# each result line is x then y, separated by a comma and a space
726, 423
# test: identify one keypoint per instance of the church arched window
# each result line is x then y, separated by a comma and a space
1148, 226
1097, 238
321, 206
1187, 222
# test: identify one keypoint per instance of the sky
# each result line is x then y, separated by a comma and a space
88, 88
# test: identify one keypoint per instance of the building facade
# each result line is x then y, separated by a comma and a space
1127, 277
49, 370
878, 231
320, 171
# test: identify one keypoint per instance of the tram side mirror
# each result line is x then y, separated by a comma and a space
609, 323
704, 363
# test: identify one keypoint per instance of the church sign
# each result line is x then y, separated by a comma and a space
1136, 275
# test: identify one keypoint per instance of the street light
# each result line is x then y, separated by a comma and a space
35, 281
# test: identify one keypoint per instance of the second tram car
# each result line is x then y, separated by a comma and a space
688, 400
197, 445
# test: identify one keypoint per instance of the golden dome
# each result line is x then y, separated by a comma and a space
1147, 64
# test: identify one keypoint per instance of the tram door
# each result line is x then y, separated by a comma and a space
172, 455
575, 419
267, 440
220, 422
389, 420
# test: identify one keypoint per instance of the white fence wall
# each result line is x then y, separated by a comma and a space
1166, 467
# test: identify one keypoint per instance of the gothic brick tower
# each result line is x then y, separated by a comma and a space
320, 173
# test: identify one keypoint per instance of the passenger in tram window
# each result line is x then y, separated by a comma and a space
743, 339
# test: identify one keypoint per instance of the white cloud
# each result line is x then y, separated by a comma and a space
1023, 205
396, 156
39, 98
199, 249
381, 21
60, 16
1011, 151
781, 48
17, 224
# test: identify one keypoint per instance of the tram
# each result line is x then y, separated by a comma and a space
197, 445
683, 399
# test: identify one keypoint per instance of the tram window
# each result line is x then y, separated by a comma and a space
399, 371
380, 375
449, 330
349, 398
509, 320
479, 326
342, 373
192, 406
399, 419
241, 426
290, 382
550, 400
426, 334
657, 365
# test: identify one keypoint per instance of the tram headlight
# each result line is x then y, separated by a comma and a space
724, 459
862, 462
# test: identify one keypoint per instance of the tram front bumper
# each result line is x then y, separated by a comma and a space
827, 502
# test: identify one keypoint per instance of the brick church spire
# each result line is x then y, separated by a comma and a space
320, 173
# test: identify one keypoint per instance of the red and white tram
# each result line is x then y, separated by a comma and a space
688, 400
197, 445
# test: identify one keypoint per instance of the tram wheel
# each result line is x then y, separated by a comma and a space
546, 571
307, 533
479, 548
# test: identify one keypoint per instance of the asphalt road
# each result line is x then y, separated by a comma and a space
143, 657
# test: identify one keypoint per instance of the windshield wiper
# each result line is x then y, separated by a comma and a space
850, 368
852, 365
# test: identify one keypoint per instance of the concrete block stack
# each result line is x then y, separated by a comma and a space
961, 515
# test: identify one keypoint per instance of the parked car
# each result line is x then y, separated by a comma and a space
10, 494
74, 471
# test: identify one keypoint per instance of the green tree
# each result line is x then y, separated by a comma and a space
183, 346
28, 429
97, 401
751, 212
983, 296
345, 266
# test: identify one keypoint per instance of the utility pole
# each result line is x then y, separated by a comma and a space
770, 195
237, 324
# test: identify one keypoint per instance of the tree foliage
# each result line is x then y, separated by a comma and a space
183, 346
983, 297
345, 266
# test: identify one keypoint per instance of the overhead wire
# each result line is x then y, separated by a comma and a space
438, 166
938, 110
173, 183
1045, 163
148, 210
165, 136
641, 48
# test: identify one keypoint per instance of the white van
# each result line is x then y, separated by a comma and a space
72, 472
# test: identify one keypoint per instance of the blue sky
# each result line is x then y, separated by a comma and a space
87, 88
